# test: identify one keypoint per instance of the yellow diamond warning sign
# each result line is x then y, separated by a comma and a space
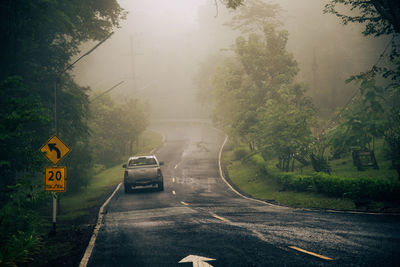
54, 179
55, 149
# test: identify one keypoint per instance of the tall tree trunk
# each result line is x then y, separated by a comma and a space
293, 164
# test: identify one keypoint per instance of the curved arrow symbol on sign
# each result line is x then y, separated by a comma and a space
198, 261
52, 147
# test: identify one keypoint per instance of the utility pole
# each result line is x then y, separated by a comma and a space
314, 68
334, 78
56, 80
133, 66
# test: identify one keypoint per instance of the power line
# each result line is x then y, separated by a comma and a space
105, 92
381, 56
58, 75
87, 53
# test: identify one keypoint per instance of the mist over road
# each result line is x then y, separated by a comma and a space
198, 214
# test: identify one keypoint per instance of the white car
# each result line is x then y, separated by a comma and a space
143, 171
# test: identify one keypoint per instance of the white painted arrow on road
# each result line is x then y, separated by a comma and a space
198, 261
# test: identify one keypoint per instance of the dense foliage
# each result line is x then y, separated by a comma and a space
375, 112
116, 128
37, 41
379, 16
257, 101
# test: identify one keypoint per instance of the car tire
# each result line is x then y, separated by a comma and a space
128, 188
161, 186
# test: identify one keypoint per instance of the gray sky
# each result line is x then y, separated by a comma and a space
161, 35
170, 38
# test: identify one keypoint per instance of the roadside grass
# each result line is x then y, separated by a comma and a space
77, 205
344, 167
78, 212
248, 176
249, 180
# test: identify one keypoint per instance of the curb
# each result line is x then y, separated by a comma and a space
89, 249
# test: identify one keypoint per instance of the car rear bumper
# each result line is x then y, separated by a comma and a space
143, 181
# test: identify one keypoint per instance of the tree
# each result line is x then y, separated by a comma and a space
380, 85
115, 128
381, 17
21, 119
46, 34
285, 125
262, 65
254, 16
233, 4
37, 41
377, 114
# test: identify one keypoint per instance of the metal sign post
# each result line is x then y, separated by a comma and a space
55, 177
54, 211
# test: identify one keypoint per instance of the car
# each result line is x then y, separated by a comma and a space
143, 171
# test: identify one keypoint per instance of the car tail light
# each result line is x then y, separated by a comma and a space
158, 172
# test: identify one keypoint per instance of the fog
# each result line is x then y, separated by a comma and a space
159, 47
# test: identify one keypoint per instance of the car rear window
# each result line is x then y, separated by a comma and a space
142, 161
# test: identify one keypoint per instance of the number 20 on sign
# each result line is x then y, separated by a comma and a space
54, 179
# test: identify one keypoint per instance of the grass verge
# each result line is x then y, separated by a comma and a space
248, 177
250, 181
78, 213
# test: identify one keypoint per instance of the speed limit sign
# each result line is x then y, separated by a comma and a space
54, 179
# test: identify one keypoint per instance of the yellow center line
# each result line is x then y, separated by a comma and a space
310, 253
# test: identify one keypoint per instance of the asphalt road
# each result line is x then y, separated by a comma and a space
198, 214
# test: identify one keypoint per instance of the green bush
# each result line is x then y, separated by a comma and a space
240, 153
19, 235
20, 248
354, 188
259, 162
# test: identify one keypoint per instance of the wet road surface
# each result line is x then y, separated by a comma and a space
198, 214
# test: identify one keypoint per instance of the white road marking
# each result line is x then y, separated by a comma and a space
89, 249
209, 182
233, 189
184, 203
173, 179
173, 192
221, 218
198, 261
310, 253
176, 166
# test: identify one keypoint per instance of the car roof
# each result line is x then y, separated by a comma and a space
147, 157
